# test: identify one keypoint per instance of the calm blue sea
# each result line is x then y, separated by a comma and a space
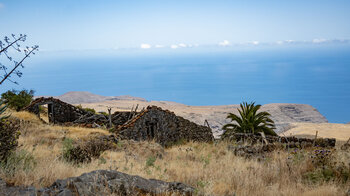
316, 76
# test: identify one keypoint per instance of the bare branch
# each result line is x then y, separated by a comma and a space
19, 63
9, 43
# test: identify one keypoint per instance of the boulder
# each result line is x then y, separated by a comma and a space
102, 182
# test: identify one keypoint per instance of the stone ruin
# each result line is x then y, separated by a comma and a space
164, 127
152, 123
59, 112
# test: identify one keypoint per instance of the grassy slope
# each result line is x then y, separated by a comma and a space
325, 130
210, 168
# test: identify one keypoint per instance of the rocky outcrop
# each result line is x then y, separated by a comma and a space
164, 127
103, 182
285, 114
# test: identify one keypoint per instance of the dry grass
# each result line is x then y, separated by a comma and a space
210, 168
325, 130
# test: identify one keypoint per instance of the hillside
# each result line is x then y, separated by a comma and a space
78, 97
325, 130
41, 163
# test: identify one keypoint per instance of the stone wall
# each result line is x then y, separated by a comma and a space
292, 142
164, 127
59, 111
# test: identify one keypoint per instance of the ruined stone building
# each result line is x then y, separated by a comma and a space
164, 127
58, 111
152, 123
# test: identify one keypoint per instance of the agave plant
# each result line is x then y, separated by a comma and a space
250, 120
3, 108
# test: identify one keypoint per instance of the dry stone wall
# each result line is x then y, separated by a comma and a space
59, 111
64, 113
291, 142
164, 127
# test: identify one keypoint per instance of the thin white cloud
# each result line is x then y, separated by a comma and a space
1, 5
145, 46
255, 42
182, 45
289, 41
319, 41
174, 46
224, 43
159, 46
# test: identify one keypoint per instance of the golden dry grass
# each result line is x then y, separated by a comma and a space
210, 168
325, 130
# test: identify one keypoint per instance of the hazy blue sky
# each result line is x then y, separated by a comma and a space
110, 24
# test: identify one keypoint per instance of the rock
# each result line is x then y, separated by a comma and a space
102, 182
6, 190
164, 127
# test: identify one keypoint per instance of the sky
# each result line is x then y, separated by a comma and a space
111, 24
176, 49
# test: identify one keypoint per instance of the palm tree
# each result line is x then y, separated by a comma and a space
250, 120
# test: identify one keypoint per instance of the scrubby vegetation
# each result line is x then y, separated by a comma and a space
210, 168
9, 132
87, 109
17, 99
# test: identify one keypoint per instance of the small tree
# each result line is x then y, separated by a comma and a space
250, 120
17, 99
9, 129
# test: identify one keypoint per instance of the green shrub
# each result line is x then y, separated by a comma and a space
18, 161
67, 146
9, 133
90, 110
87, 109
150, 161
85, 151
17, 100
327, 168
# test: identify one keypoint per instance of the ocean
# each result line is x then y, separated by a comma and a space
319, 76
